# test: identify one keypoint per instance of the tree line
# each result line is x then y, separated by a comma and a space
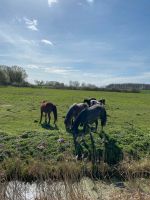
17, 76
128, 86
75, 85
14, 75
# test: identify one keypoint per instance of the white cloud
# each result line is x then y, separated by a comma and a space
31, 24
15, 40
90, 1
105, 79
31, 66
17, 19
47, 42
60, 70
50, 2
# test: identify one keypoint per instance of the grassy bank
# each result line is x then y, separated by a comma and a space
125, 137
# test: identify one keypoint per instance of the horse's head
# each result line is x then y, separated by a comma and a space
67, 123
87, 101
43, 102
102, 101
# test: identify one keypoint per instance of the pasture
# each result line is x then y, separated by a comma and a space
127, 131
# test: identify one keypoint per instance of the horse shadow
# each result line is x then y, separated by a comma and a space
103, 148
49, 127
112, 153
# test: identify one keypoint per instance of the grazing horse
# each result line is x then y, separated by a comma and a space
72, 114
88, 100
102, 102
47, 108
89, 116
93, 101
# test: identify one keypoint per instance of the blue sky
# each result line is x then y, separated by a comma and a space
92, 41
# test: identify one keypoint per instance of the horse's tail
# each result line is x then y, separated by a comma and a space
103, 117
55, 113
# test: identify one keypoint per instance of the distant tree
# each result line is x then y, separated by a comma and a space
12, 75
128, 86
16, 74
74, 84
39, 83
83, 85
4, 78
91, 86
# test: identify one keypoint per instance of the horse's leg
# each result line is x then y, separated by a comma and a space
96, 123
84, 129
49, 117
45, 118
72, 122
41, 117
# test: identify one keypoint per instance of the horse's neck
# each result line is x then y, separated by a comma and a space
43, 107
70, 112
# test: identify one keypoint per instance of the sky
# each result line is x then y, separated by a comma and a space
92, 41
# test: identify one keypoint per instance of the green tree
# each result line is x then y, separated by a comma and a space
4, 78
16, 74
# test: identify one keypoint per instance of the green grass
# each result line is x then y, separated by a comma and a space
127, 129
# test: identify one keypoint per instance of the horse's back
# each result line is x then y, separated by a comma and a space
90, 115
94, 112
99, 110
77, 107
47, 106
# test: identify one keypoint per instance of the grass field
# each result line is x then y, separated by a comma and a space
127, 131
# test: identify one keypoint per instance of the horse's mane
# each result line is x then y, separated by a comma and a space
70, 112
78, 120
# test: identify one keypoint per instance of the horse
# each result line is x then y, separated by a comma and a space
88, 100
72, 114
92, 101
102, 102
89, 116
47, 108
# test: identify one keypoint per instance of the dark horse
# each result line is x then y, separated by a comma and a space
89, 116
88, 100
47, 108
93, 101
72, 114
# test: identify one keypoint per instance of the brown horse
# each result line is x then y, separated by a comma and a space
47, 108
